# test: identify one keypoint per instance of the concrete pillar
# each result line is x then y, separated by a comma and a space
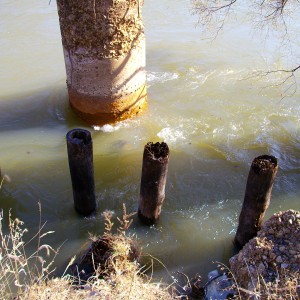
104, 50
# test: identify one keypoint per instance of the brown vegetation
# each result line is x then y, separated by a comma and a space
116, 273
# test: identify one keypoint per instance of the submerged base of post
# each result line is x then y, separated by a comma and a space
257, 198
104, 110
148, 221
153, 182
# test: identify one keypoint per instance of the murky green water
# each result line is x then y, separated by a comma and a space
200, 102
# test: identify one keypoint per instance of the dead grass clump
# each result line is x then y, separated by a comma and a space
116, 273
108, 270
108, 253
130, 287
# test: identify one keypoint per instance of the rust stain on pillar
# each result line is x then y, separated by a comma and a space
104, 51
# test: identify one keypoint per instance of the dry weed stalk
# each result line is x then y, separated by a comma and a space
126, 221
286, 286
18, 270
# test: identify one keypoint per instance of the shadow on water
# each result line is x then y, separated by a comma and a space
41, 108
33, 126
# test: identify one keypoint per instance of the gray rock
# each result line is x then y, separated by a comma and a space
218, 287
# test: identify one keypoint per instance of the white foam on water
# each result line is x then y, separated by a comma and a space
171, 135
107, 128
160, 77
196, 78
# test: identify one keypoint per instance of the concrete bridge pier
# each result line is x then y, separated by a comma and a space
104, 51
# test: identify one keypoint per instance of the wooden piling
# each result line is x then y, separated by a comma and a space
257, 198
153, 182
80, 154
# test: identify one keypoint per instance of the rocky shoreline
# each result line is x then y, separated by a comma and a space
273, 257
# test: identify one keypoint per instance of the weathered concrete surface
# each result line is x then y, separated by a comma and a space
104, 50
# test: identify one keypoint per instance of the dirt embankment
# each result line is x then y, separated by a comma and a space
273, 257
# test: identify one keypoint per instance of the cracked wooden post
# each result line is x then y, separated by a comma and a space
104, 51
80, 154
153, 182
257, 198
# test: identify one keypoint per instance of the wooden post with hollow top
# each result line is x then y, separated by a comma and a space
257, 198
153, 182
80, 154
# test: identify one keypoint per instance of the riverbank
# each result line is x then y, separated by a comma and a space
269, 264
109, 269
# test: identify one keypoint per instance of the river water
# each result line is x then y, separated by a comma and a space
204, 101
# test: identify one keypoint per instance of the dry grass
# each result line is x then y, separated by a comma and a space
113, 257
126, 286
18, 271
285, 286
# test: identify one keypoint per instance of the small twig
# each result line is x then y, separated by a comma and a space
139, 8
186, 277
95, 15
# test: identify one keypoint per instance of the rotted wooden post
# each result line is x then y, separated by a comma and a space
80, 153
257, 198
153, 182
